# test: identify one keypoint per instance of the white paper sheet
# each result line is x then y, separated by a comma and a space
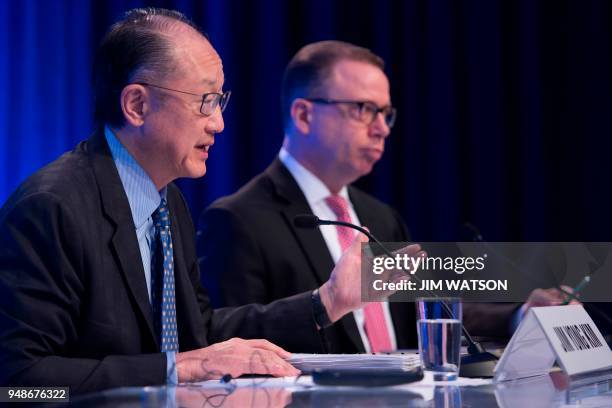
308, 362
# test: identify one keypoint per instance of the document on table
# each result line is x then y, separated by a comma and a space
309, 362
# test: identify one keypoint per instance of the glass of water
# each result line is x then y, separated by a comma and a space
439, 328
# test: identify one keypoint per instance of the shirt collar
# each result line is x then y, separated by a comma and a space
313, 188
141, 192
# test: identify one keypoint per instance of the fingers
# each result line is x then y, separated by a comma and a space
269, 363
550, 297
413, 249
264, 357
553, 296
545, 297
573, 301
359, 238
559, 297
266, 345
235, 357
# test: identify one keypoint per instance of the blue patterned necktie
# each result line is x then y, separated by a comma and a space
162, 280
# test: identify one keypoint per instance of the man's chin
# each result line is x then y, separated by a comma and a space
196, 171
366, 168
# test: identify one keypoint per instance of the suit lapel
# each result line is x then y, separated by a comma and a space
366, 216
124, 241
311, 240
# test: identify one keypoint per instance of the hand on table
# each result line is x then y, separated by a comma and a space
547, 297
234, 357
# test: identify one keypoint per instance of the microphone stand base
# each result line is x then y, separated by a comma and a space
479, 365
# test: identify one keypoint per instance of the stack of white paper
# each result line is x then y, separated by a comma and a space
309, 362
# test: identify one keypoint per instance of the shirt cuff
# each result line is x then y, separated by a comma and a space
171, 374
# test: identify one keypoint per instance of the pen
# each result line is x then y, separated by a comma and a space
578, 288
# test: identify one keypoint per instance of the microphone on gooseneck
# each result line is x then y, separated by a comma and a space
312, 221
479, 362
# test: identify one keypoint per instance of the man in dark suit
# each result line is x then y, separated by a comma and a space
249, 238
337, 115
337, 112
99, 280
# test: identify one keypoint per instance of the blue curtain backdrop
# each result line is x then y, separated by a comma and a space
504, 106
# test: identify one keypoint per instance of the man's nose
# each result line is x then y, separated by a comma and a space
215, 122
379, 126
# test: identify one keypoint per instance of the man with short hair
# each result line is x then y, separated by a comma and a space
337, 115
98, 270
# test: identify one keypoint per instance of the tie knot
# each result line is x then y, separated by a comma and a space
161, 216
339, 206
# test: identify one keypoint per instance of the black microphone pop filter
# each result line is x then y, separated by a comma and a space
306, 221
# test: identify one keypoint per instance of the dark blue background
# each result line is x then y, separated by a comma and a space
504, 106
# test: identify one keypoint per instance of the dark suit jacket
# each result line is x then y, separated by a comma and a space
251, 252
74, 309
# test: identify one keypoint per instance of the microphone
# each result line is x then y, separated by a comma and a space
306, 221
312, 221
479, 362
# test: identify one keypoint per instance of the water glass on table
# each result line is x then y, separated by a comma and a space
439, 328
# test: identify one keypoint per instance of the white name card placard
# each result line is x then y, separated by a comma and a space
566, 334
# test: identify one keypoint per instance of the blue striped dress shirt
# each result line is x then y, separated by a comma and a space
144, 199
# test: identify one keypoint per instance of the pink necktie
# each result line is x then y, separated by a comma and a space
375, 326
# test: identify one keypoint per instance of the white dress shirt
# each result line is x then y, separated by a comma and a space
316, 192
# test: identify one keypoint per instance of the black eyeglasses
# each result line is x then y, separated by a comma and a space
210, 100
367, 110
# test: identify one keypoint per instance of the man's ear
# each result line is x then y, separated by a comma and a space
301, 115
134, 104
